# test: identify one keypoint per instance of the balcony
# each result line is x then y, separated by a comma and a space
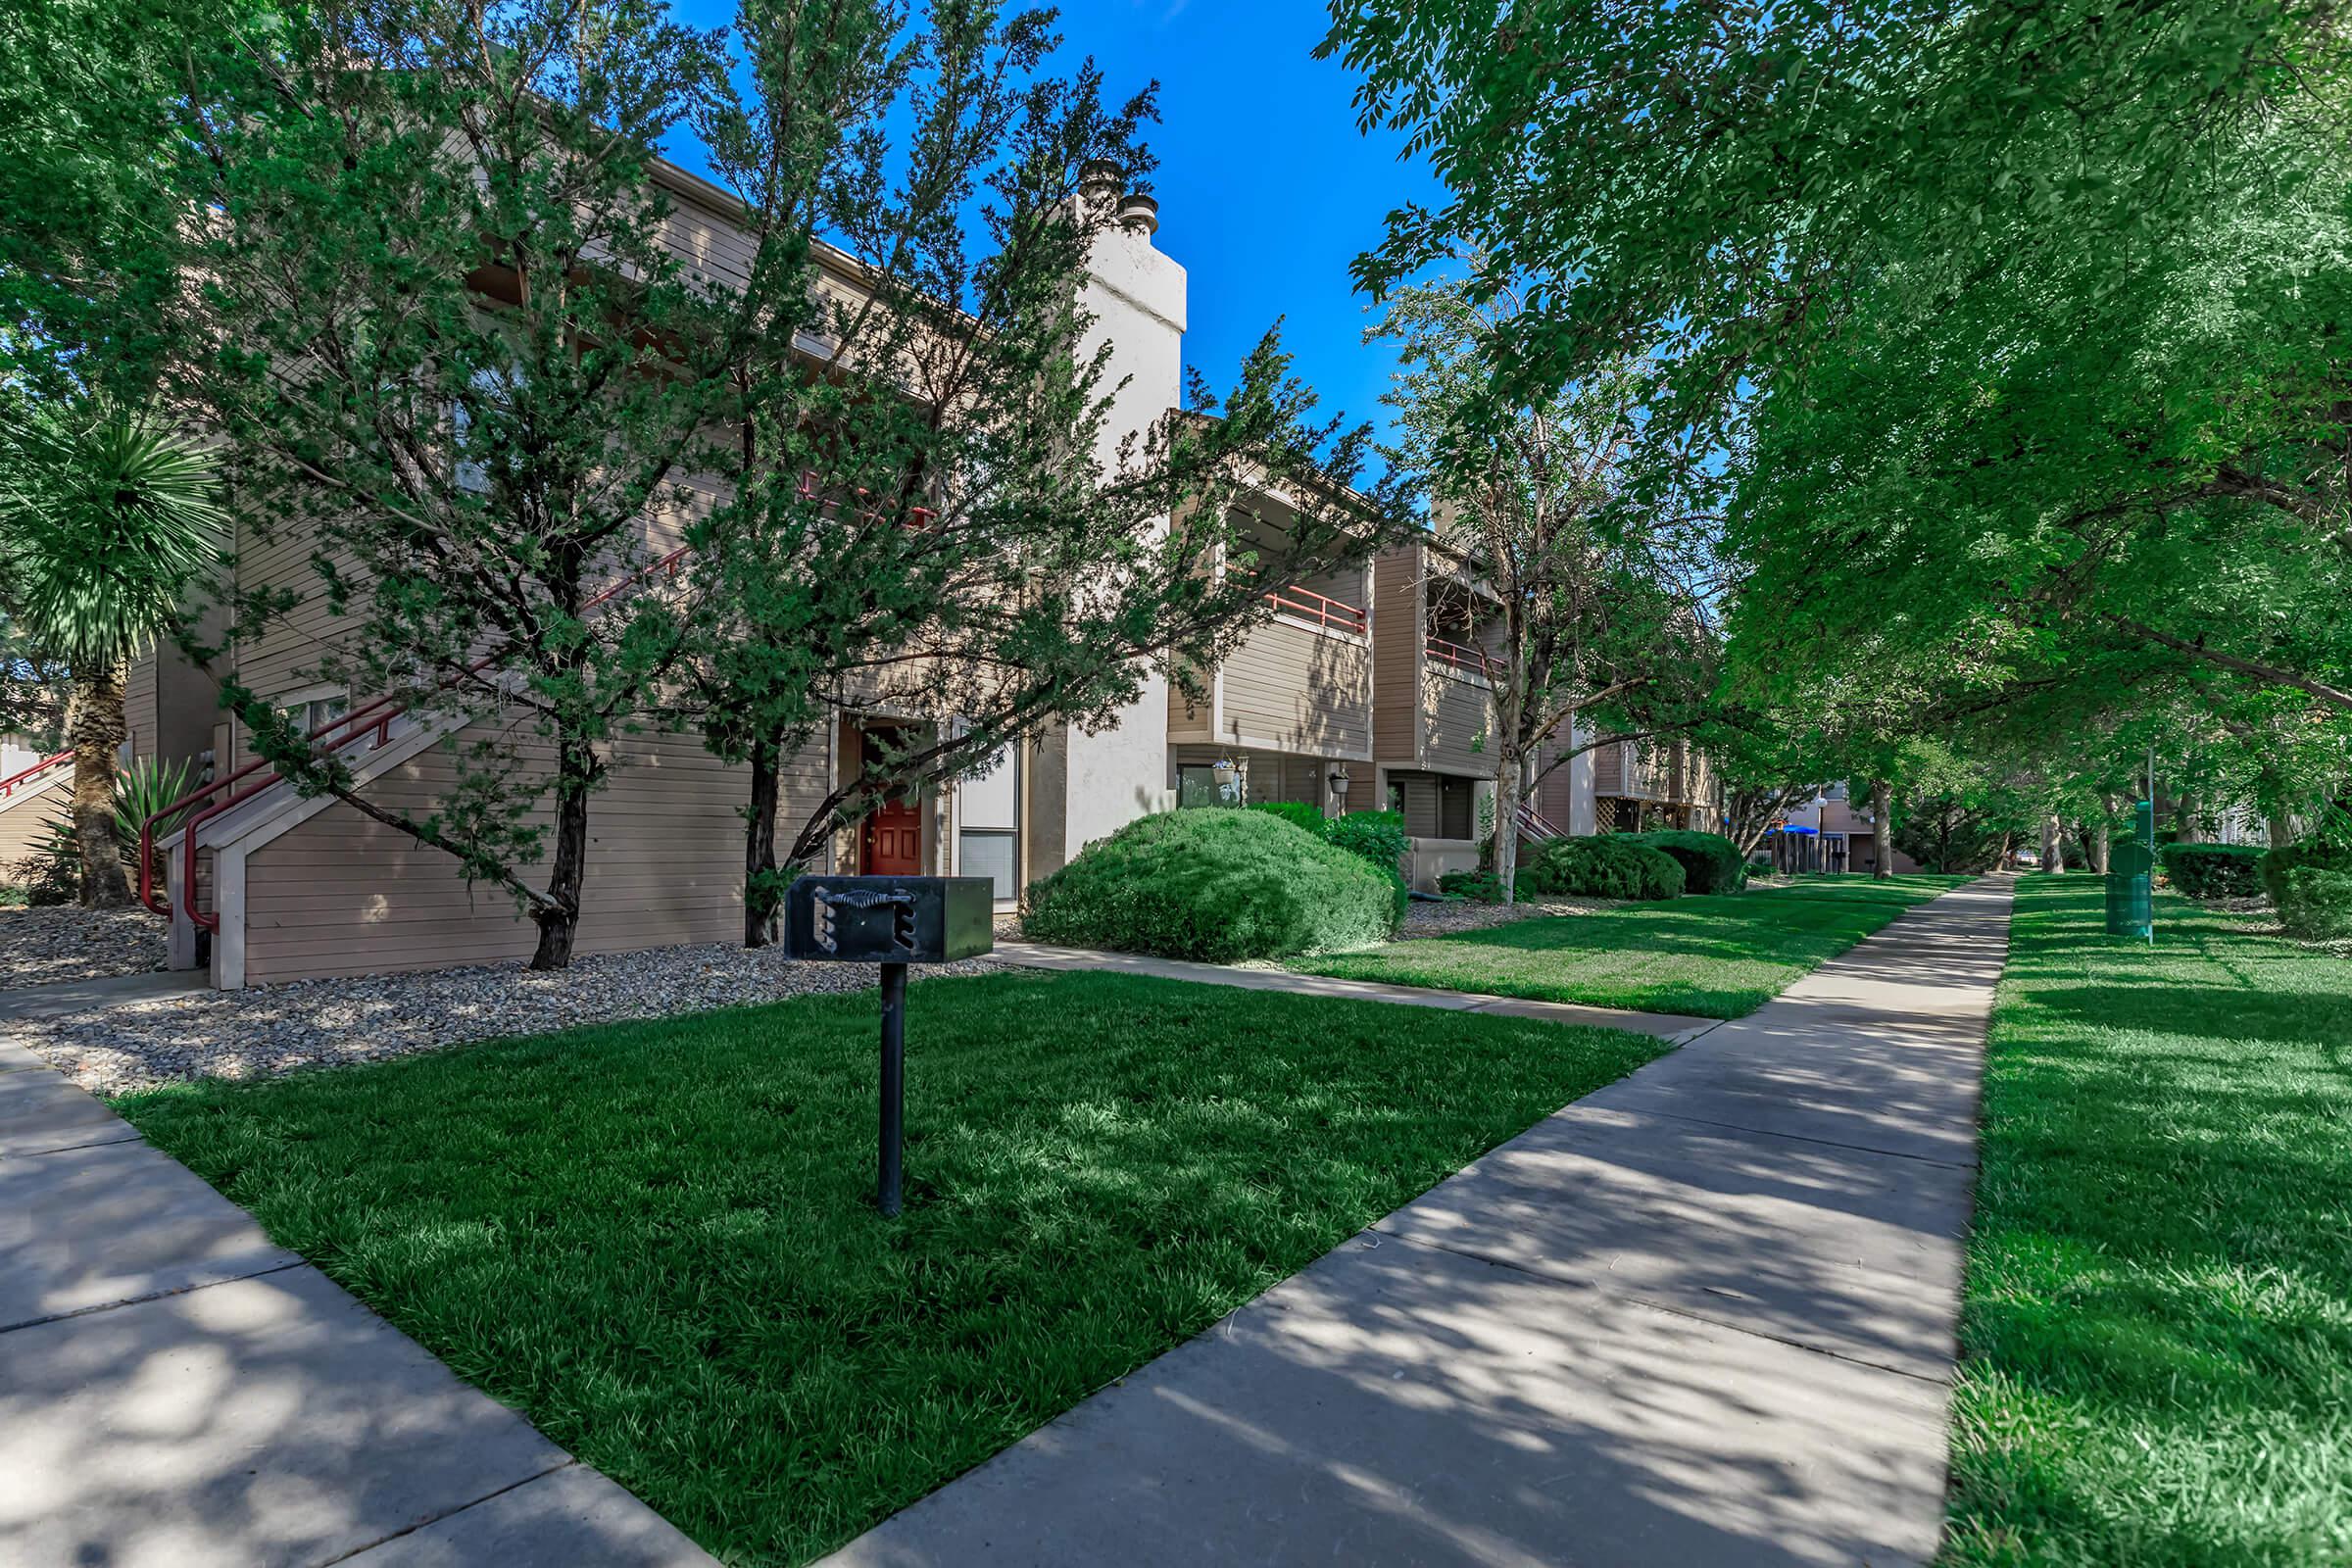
1299, 682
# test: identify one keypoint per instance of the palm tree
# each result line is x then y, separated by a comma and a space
104, 519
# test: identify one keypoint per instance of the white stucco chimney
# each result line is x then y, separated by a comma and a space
1136, 295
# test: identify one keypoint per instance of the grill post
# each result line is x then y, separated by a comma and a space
894, 1087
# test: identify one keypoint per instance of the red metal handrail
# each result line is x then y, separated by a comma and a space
373, 718
1460, 655
1307, 604
9, 784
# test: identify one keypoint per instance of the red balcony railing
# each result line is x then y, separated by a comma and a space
30, 778
373, 718
1460, 655
1320, 608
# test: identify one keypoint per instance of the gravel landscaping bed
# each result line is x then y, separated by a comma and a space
269, 1029
50, 946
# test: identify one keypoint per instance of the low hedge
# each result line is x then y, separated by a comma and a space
1479, 887
1216, 885
2316, 900
1377, 836
1608, 865
2325, 855
1711, 862
2213, 870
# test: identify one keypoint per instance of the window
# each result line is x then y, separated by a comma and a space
988, 852
308, 711
1200, 784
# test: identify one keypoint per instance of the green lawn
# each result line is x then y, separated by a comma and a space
657, 1239
1715, 958
2157, 1332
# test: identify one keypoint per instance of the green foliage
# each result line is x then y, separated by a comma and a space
1215, 885
1377, 836
52, 873
105, 516
1607, 865
2333, 854
1711, 862
2316, 900
1299, 815
2213, 870
1477, 886
1101, 1167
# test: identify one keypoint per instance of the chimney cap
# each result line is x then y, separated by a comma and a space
1139, 211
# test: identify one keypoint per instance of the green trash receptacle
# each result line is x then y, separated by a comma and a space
2130, 889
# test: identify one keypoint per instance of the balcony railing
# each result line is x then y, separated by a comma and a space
1336, 615
32, 778
1460, 655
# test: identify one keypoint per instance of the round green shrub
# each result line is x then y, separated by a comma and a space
1216, 885
1298, 814
2315, 902
2327, 854
1711, 862
1608, 865
2213, 870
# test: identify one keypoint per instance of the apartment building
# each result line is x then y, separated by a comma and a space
1366, 688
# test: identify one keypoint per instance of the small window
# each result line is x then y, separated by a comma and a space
308, 713
1199, 784
988, 852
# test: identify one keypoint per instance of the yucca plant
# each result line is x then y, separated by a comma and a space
141, 791
104, 519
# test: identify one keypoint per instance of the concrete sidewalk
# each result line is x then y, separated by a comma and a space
176, 1391
1705, 1315
1677, 1027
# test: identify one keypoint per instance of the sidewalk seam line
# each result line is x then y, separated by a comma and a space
153, 1296
132, 1137
345, 1556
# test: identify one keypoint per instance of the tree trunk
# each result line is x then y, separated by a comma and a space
2102, 840
2281, 828
761, 897
559, 918
1507, 825
2053, 846
1881, 830
98, 727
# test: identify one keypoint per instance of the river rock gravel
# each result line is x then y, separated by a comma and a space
62, 942
271, 1029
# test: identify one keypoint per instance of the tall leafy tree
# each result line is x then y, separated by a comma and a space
450, 345
2013, 327
1601, 599
106, 517
928, 517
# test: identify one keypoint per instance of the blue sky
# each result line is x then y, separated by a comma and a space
1266, 189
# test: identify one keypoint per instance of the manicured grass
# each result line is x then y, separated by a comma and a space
2158, 1331
1717, 957
657, 1239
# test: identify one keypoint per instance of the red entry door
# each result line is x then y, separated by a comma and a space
891, 843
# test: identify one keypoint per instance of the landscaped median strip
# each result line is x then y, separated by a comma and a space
2158, 1334
656, 1239
1716, 957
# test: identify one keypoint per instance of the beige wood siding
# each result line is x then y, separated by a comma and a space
1290, 688
25, 819
138, 704
1456, 726
1397, 657
340, 894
